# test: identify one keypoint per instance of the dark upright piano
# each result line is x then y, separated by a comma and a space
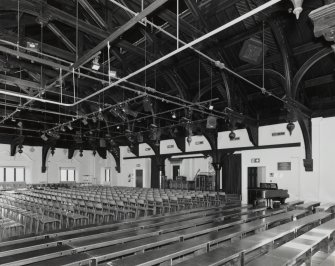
269, 192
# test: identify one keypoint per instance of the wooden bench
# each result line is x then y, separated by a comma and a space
132, 240
291, 204
203, 243
142, 222
197, 232
129, 231
310, 206
330, 260
300, 249
251, 247
326, 207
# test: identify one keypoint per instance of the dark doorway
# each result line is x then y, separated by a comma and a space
175, 171
139, 177
231, 174
252, 177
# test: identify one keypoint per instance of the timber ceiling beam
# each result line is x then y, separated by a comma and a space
193, 8
42, 61
116, 34
13, 81
93, 14
52, 13
62, 37
315, 82
126, 4
49, 49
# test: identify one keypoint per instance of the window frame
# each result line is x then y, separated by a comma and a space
67, 169
5, 179
109, 176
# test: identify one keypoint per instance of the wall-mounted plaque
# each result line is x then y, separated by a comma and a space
276, 134
284, 166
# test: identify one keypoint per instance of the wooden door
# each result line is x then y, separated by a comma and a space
252, 177
231, 174
175, 171
139, 177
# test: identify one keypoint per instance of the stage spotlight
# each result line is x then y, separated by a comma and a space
189, 139
128, 111
44, 137
100, 116
147, 104
84, 121
62, 128
69, 126
139, 137
174, 115
113, 74
95, 64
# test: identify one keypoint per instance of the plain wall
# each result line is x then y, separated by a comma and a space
89, 168
316, 185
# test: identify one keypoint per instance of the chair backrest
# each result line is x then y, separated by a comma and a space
141, 202
98, 206
120, 203
70, 209
40, 211
89, 205
173, 198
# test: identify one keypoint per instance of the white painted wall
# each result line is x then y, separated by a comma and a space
189, 167
88, 167
316, 185
198, 143
169, 146
127, 175
225, 143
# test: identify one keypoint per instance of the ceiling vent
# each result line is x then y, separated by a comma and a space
252, 51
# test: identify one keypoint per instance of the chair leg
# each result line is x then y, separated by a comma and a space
37, 225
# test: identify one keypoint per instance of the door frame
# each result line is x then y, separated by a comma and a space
172, 165
143, 172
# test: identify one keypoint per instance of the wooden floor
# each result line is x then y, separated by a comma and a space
229, 234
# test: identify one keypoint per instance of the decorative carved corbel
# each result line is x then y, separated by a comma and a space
70, 153
115, 151
180, 142
134, 148
14, 143
102, 153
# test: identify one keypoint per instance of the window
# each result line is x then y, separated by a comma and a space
12, 174
67, 174
107, 174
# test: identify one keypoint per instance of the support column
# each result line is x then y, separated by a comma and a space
217, 168
157, 167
